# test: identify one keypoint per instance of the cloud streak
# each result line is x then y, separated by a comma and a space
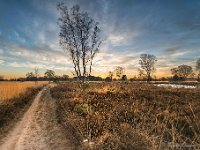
168, 29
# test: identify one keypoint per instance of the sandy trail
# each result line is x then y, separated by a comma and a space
39, 128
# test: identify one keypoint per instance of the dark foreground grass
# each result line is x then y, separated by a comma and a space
12, 110
131, 116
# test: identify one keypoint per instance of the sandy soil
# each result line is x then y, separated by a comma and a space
39, 128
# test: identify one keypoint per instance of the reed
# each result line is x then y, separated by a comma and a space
9, 90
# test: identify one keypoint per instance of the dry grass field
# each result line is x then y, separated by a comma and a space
130, 115
9, 90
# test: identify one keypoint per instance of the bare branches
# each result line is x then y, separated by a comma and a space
110, 75
36, 71
119, 71
147, 63
182, 71
79, 37
140, 73
50, 74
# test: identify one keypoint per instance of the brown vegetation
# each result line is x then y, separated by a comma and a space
9, 90
131, 116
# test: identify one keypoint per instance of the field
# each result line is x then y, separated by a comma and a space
9, 90
130, 115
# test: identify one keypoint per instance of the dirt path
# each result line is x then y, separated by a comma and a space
39, 128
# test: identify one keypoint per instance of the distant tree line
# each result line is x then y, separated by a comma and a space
147, 68
49, 75
145, 73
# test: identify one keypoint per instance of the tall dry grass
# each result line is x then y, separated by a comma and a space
9, 90
131, 116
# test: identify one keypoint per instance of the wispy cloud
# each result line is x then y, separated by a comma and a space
167, 29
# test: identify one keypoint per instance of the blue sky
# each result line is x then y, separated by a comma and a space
169, 29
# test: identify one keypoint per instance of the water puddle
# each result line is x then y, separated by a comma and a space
176, 86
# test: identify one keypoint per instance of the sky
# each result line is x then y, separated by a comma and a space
168, 29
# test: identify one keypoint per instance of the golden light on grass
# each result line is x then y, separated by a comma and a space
112, 115
14, 89
105, 89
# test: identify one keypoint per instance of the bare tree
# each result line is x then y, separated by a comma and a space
175, 71
141, 73
182, 71
79, 37
1, 78
50, 74
36, 71
119, 71
111, 74
65, 77
185, 70
30, 76
147, 63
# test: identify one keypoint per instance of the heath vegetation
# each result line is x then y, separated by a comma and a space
130, 115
